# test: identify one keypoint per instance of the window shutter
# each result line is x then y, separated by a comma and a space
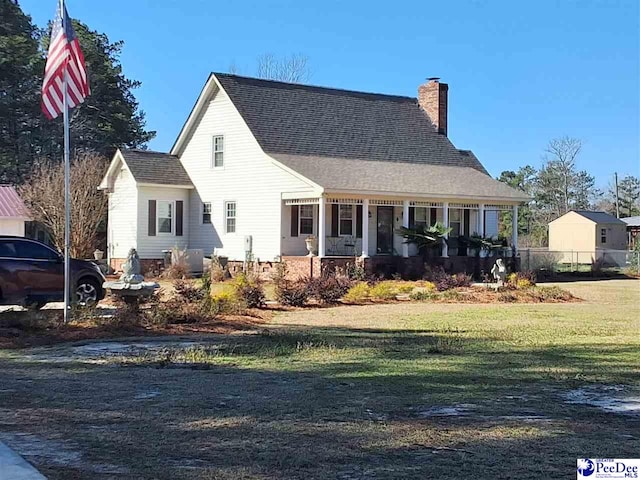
434, 216
358, 221
152, 218
466, 222
334, 220
179, 216
295, 211
412, 217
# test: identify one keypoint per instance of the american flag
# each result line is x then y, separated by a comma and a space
64, 54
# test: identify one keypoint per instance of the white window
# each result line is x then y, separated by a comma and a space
217, 156
421, 216
345, 217
306, 220
206, 212
603, 235
230, 217
455, 222
165, 216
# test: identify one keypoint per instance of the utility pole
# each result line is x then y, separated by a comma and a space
617, 197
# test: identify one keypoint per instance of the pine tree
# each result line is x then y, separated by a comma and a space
109, 118
629, 196
21, 65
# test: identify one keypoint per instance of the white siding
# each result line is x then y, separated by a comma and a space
248, 177
295, 245
122, 220
373, 229
12, 227
491, 223
339, 247
152, 246
473, 223
397, 223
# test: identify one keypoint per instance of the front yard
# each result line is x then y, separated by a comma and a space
398, 391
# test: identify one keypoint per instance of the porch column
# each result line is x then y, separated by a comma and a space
405, 223
445, 220
322, 220
514, 226
481, 220
365, 228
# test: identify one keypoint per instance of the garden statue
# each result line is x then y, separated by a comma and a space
131, 285
499, 272
131, 271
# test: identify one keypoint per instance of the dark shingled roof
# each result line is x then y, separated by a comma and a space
349, 174
148, 166
316, 122
598, 217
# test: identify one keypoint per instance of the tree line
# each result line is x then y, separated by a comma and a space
559, 186
110, 117
31, 146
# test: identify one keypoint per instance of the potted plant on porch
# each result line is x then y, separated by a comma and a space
480, 246
428, 238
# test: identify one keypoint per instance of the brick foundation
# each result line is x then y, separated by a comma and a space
411, 268
263, 269
149, 266
300, 267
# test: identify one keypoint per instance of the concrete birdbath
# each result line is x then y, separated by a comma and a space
131, 285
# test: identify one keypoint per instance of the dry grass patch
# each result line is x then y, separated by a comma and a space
405, 390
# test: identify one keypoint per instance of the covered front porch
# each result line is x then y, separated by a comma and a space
363, 226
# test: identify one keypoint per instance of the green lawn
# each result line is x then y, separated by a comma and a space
356, 392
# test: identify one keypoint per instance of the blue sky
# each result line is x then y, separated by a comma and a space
519, 73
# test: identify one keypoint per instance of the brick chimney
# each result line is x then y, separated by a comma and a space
433, 99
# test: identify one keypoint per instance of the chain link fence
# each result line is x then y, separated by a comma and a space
538, 259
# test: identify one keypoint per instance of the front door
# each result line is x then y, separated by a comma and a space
385, 231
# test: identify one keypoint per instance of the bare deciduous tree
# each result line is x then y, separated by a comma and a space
44, 195
555, 189
561, 154
293, 69
233, 68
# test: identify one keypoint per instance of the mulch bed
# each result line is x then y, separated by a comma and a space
20, 329
479, 295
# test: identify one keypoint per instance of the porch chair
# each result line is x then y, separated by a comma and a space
350, 245
333, 245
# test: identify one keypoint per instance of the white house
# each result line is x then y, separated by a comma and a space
261, 165
13, 213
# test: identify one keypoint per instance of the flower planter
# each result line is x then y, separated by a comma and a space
312, 245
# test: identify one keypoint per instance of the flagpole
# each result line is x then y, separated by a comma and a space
67, 195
